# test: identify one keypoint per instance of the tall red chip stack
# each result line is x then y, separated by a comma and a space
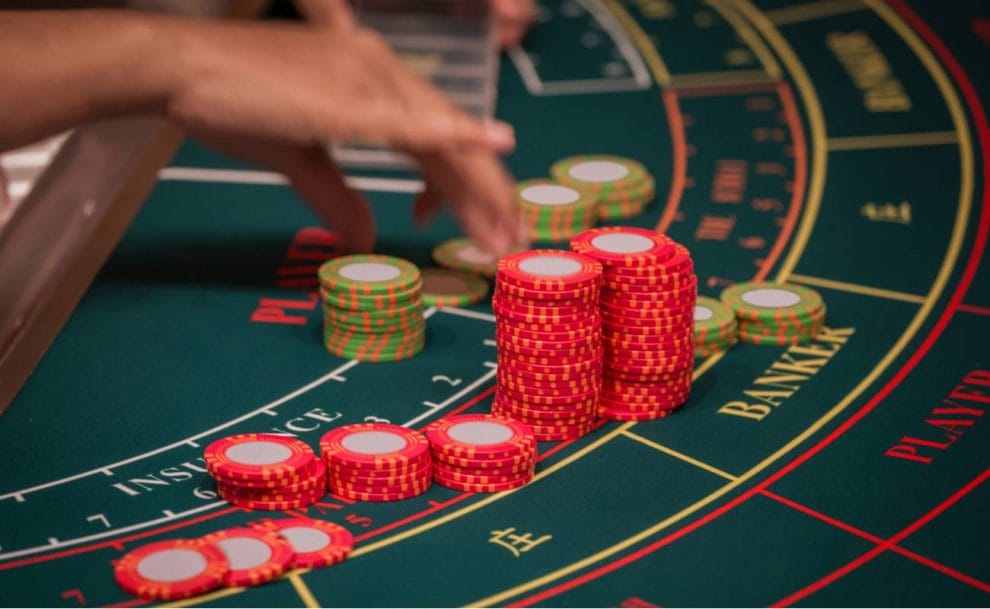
548, 333
647, 312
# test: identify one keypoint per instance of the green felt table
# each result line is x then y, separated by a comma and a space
837, 144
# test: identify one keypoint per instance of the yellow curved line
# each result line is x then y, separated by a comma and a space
803, 83
704, 367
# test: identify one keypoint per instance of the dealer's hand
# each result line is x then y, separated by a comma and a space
273, 94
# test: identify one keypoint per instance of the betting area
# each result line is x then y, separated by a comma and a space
838, 145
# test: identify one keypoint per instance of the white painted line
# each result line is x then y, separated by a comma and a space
110, 533
270, 178
438, 407
639, 80
469, 314
488, 342
108, 469
226, 176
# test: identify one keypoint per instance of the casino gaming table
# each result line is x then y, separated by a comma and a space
838, 144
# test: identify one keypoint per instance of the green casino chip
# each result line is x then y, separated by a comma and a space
772, 301
368, 274
604, 174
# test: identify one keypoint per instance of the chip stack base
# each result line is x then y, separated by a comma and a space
372, 308
773, 313
623, 186
376, 462
547, 331
265, 471
715, 327
481, 453
647, 308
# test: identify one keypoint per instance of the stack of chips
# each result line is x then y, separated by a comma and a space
481, 453
547, 330
266, 471
372, 308
715, 327
772, 313
622, 186
376, 462
554, 211
647, 308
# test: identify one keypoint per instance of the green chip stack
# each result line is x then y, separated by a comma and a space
715, 327
372, 308
772, 313
555, 211
622, 186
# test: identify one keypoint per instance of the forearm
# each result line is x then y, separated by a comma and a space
59, 69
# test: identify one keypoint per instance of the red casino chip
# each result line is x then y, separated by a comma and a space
565, 297
253, 555
171, 570
527, 397
480, 436
614, 414
537, 307
517, 469
315, 543
272, 503
313, 477
624, 246
520, 460
255, 456
376, 497
373, 446
549, 270
591, 349
468, 487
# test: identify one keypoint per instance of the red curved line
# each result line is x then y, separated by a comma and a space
679, 171
976, 255
800, 179
886, 545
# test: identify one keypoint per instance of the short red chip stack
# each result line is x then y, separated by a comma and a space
481, 453
376, 462
547, 329
266, 471
647, 310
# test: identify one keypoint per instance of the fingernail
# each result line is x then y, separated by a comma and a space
500, 134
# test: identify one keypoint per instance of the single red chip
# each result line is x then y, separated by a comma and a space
172, 569
253, 555
315, 543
